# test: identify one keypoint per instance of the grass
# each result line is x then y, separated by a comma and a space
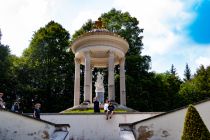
90, 111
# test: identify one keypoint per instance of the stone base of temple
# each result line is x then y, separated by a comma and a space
86, 105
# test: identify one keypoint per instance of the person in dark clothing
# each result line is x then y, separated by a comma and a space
110, 111
96, 106
15, 107
37, 111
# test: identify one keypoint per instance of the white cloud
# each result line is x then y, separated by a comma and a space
82, 18
163, 21
19, 19
165, 38
203, 61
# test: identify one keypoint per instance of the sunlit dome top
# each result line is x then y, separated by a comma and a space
100, 30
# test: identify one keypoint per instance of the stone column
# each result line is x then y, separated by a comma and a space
77, 82
87, 77
91, 93
122, 82
111, 83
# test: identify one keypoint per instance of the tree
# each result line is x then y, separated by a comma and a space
7, 78
173, 70
190, 92
194, 127
48, 68
198, 88
4, 61
85, 28
170, 86
126, 26
137, 65
187, 73
202, 78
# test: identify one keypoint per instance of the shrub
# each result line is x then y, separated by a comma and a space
194, 127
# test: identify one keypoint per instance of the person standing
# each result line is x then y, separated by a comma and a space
96, 105
2, 106
37, 111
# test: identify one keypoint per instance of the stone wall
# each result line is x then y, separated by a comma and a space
14, 126
167, 126
95, 126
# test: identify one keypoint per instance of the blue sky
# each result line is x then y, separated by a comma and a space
199, 29
175, 31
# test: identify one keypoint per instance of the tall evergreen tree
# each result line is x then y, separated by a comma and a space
173, 70
187, 73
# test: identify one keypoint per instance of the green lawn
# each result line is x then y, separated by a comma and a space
90, 111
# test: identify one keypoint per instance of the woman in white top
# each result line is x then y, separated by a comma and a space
106, 104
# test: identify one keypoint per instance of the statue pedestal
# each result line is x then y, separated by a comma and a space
100, 97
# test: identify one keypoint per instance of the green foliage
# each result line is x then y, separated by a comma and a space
137, 66
126, 26
198, 88
85, 28
89, 110
4, 61
165, 87
7, 77
194, 127
202, 77
154, 92
190, 92
46, 69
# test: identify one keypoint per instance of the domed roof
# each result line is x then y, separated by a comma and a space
103, 37
99, 42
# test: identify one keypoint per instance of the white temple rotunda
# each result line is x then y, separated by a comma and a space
101, 49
